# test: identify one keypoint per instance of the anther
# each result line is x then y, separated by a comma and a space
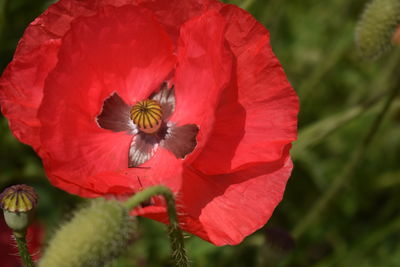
147, 115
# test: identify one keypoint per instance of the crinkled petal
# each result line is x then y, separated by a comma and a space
118, 50
21, 84
257, 115
203, 72
224, 209
172, 14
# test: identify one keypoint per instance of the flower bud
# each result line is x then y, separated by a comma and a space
96, 234
377, 26
18, 203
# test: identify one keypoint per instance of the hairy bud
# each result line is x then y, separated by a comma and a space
96, 234
377, 26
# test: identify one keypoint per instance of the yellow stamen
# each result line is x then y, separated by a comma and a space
147, 115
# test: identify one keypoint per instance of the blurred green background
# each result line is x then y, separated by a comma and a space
335, 212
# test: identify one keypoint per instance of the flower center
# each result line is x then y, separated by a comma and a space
147, 115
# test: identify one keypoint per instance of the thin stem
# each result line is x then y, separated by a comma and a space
175, 233
313, 134
336, 52
349, 169
23, 249
316, 132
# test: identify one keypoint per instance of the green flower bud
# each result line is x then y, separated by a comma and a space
377, 26
18, 203
96, 234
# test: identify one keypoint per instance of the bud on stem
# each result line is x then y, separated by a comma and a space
377, 26
18, 203
103, 229
96, 234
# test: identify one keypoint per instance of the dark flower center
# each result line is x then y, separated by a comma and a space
148, 122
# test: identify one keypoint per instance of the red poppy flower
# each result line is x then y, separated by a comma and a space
119, 95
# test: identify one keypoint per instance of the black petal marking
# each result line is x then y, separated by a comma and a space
181, 140
166, 98
115, 115
142, 148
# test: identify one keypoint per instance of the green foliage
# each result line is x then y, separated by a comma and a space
340, 95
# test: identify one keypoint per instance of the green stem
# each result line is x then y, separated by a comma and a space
318, 131
174, 231
336, 52
349, 169
313, 134
23, 249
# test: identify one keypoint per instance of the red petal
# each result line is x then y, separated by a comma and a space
203, 71
257, 116
162, 169
118, 49
21, 85
172, 14
224, 209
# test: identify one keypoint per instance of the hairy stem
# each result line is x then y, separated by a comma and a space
174, 231
23, 249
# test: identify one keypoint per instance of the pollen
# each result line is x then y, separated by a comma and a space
147, 115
